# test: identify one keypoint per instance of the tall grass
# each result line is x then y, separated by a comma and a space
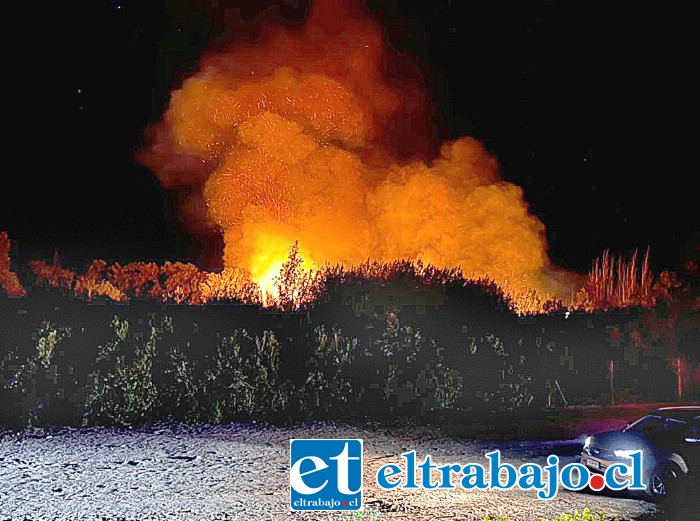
616, 282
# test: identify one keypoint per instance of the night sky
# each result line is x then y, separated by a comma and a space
587, 108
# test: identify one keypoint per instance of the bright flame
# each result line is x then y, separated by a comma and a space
266, 281
270, 252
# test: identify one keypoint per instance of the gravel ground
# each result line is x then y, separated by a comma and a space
215, 472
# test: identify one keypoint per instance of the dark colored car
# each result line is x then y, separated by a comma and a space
669, 439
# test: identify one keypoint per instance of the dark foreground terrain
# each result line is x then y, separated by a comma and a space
218, 472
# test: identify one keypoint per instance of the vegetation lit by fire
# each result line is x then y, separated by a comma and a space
613, 282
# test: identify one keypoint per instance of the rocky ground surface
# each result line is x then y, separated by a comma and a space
223, 472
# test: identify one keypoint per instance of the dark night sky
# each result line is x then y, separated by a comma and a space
587, 108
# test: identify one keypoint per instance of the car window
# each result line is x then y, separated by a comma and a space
675, 427
647, 424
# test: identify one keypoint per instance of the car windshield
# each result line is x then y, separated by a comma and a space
653, 424
646, 424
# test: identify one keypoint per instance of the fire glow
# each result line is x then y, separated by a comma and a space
302, 137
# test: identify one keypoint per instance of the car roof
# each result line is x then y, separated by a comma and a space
687, 412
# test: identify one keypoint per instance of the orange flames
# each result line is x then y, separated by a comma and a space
9, 282
294, 138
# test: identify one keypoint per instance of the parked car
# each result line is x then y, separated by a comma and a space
669, 439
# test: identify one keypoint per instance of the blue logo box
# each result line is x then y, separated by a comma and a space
325, 474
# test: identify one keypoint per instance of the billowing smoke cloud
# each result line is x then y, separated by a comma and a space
294, 138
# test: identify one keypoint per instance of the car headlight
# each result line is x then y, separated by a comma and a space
624, 453
587, 444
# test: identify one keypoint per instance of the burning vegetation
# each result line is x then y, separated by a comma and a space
9, 283
307, 149
302, 137
612, 283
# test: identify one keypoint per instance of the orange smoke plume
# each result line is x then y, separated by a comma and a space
302, 136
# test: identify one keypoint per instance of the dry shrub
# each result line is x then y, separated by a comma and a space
181, 282
522, 302
391, 271
9, 283
52, 274
93, 283
295, 286
527, 301
136, 278
229, 284
615, 282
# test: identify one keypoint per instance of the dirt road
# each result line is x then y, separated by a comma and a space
192, 473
